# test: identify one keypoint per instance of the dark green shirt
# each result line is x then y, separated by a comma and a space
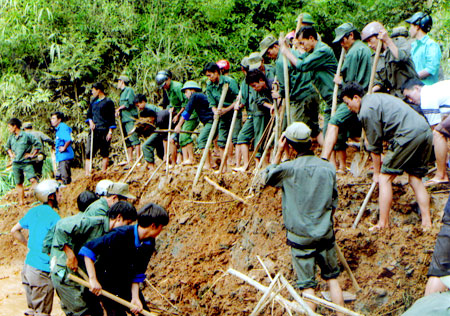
357, 64
322, 64
257, 100
387, 118
308, 198
214, 91
177, 98
130, 112
97, 208
393, 72
22, 144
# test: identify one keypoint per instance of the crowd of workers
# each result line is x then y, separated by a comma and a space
393, 94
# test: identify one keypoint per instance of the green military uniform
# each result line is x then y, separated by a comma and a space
308, 198
74, 232
356, 68
38, 162
178, 101
20, 145
393, 72
322, 65
128, 115
97, 208
387, 118
260, 113
247, 133
213, 92
304, 99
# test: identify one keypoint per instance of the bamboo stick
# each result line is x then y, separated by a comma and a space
211, 135
264, 135
132, 168
90, 154
265, 296
168, 142
173, 131
286, 89
111, 296
123, 140
330, 305
364, 205
297, 297
218, 187
154, 172
346, 267
336, 86
159, 293
229, 139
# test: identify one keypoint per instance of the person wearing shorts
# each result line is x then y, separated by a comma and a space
387, 118
100, 118
21, 147
309, 198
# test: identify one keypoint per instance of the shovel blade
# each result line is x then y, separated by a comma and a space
355, 165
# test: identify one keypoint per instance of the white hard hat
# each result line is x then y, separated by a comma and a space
102, 187
45, 188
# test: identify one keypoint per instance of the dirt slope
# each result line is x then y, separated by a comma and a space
204, 240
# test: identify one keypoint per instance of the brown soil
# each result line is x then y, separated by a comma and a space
204, 240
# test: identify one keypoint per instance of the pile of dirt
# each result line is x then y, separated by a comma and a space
208, 233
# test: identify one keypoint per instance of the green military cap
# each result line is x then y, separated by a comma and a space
254, 61
266, 43
298, 132
124, 78
191, 85
343, 29
306, 18
399, 31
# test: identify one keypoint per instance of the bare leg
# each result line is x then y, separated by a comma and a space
105, 163
423, 199
138, 151
385, 199
341, 159
238, 155
173, 151
245, 153
20, 193
310, 304
336, 292
130, 154
330, 141
440, 151
434, 285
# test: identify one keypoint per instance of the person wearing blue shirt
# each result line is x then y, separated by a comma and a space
64, 151
39, 220
425, 53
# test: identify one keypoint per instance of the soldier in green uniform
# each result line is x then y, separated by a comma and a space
319, 61
70, 234
115, 192
22, 148
309, 198
128, 114
387, 118
356, 68
213, 92
177, 103
395, 65
38, 161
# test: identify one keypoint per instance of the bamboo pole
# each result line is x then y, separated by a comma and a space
123, 139
173, 131
159, 293
168, 142
346, 267
132, 168
218, 187
228, 145
292, 305
336, 86
211, 135
297, 297
111, 296
90, 154
261, 161
265, 296
264, 135
286, 89
154, 172
330, 305
364, 205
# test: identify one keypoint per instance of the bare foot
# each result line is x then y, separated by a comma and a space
187, 162
436, 181
377, 228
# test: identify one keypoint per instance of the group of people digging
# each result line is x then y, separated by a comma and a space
393, 95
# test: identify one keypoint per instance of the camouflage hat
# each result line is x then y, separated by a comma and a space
191, 85
254, 61
298, 132
399, 31
27, 125
120, 189
267, 43
124, 78
307, 18
341, 30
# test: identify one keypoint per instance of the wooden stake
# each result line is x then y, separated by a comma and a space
261, 161
286, 90
336, 86
263, 299
168, 143
364, 205
294, 306
346, 267
123, 140
264, 135
229, 139
297, 297
90, 154
173, 131
132, 168
111, 296
211, 135
330, 305
218, 187
154, 172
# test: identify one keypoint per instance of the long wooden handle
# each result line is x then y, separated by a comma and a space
346, 267
111, 296
229, 139
286, 90
168, 143
211, 135
336, 86
123, 140
364, 205
90, 153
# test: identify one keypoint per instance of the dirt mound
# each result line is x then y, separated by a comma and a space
208, 233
